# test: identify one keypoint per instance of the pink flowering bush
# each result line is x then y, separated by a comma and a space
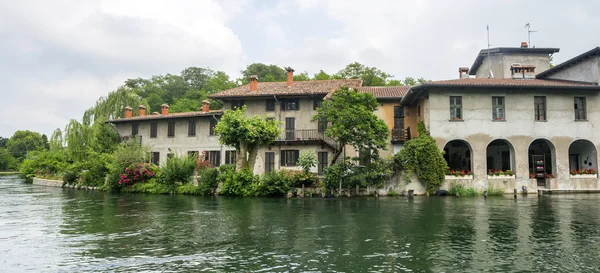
134, 174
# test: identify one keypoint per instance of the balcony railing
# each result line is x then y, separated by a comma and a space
400, 134
306, 135
126, 138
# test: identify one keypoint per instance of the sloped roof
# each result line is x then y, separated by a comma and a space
580, 58
169, 116
382, 92
264, 89
507, 50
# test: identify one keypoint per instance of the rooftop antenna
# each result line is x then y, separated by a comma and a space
529, 31
488, 53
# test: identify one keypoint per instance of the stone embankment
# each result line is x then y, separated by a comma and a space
59, 184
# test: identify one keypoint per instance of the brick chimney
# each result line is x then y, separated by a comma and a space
164, 109
253, 83
524, 44
141, 110
205, 106
128, 112
463, 72
290, 76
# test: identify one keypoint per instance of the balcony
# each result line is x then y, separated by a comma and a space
399, 135
126, 138
306, 136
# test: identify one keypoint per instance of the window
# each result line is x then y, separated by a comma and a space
322, 125
289, 157
213, 124
419, 112
155, 158
539, 104
193, 154
398, 117
153, 129
290, 128
498, 108
290, 105
455, 107
230, 157
269, 162
134, 129
317, 103
322, 156
237, 104
171, 129
214, 157
270, 105
364, 157
580, 113
192, 128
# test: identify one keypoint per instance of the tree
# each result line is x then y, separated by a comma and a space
371, 76
321, 76
353, 121
23, 142
301, 77
196, 77
219, 82
307, 160
56, 140
422, 157
3, 141
246, 134
394, 83
265, 73
7, 161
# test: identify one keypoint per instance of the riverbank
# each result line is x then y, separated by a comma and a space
61, 184
8, 173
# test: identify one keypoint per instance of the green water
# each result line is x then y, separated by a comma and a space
58, 230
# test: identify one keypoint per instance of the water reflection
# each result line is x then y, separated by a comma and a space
56, 230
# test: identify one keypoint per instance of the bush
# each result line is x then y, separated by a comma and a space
139, 173
462, 190
275, 183
241, 183
151, 186
178, 170
307, 160
188, 188
421, 156
491, 191
208, 181
44, 164
126, 155
334, 174
7, 161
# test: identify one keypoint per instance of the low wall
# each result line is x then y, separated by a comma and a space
47, 182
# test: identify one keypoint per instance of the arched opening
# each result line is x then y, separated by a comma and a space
458, 155
541, 158
582, 155
500, 155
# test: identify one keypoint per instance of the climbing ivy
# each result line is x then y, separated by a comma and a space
421, 156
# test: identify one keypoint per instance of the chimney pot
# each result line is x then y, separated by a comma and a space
205, 106
463, 72
128, 112
164, 109
524, 44
141, 110
290, 76
253, 83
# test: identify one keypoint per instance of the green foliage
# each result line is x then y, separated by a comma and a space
393, 193
240, 183
321, 76
301, 77
188, 188
307, 160
492, 191
208, 181
7, 161
335, 173
461, 189
265, 73
23, 142
44, 164
354, 122
422, 157
125, 155
371, 76
275, 183
178, 170
151, 186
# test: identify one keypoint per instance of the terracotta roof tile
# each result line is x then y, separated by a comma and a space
382, 92
280, 88
487, 82
169, 116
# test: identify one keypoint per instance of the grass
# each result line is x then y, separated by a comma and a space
8, 173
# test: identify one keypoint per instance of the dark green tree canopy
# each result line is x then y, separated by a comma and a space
25, 141
265, 73
353, 121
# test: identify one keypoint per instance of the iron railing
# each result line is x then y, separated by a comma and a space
400, 134
306, 135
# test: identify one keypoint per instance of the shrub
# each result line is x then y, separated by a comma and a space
208, 181
275, 183
44, 164
307, 160
139, 173
152, 186
188, 188
462, 190
421, 156
241, 183
127, 154
334, 174
491, 191
178, 170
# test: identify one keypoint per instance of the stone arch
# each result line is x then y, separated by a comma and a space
458, 155
544, 149
582, 155
500, 155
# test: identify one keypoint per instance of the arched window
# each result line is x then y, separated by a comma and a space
458, 155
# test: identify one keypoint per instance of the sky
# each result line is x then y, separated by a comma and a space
58, 57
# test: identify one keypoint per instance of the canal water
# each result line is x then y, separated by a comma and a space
60, 230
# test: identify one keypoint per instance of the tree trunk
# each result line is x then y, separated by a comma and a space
252, 153
241, 157
335, 157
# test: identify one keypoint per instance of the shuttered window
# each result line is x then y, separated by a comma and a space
269, 162
192, 128
171, 129
153, 130
289, 157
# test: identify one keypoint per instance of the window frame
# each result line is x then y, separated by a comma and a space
269, 162
155, 158
286, 105
153, 130
289, 158
498, 102
536, 108
230, 157
580, 112
135, 129
171, 129
454, 106
214, 157
192, 128
270, 105
211, 127
317, 103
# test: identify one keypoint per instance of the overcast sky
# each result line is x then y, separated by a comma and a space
58, 57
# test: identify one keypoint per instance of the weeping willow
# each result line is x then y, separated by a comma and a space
56, 141
77, 136
113, 105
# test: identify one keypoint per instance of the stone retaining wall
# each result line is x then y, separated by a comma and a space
47, 182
